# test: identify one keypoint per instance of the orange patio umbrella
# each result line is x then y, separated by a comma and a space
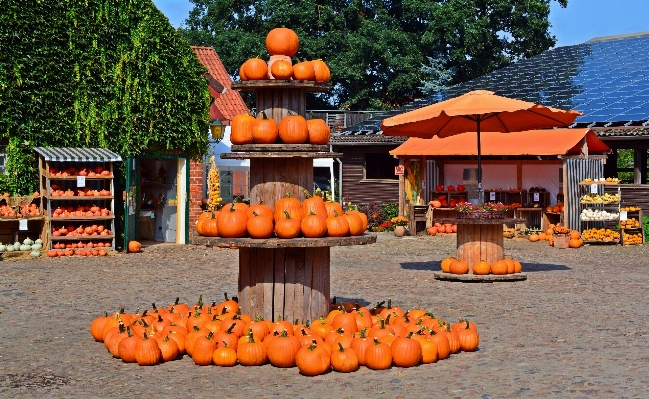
475, 111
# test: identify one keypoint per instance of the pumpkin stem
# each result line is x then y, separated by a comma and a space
200, 301
297, 321
226, 344
209, 336
196, 328
229, 330
362, 333
467, 324
145, 337
236, 299
307, 324
128, 331
279, 318
287, 215
410, 334
432, 316
259, 318
232, 207
340, 330
379, 304
387, 319
390, 303
376, 341
251, 339
341, 347
380, 319
312, 346
121, 311
160, 318
263, 115
225, 294
335, 213
255, 214
284, 333
303, 332
153, 305
306, 194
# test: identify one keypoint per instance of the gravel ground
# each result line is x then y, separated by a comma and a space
576, 328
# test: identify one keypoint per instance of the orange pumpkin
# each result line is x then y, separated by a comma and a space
499, 267
282, 41
303, 71
534, 237
319, 131
459, 267
242, 129
255, 69
322, 72
134, 246
264, 130
293, 129
482, 268
282, 70
446, 263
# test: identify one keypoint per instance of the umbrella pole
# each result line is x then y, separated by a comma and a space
480, 190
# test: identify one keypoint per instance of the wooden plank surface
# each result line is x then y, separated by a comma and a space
320, 289
279, 281
269, 280
285, 243
488, 278
298, 311
255, 85
309, 259
244, 279
479, 221
289, 287
257, 299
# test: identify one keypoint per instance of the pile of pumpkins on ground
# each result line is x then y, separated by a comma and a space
28, 245
446, 228
557, 229
314, 218
501, 267
348, 337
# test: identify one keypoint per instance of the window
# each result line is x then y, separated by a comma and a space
380, 166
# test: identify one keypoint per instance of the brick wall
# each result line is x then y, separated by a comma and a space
195, 195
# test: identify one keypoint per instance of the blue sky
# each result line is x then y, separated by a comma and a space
581, 21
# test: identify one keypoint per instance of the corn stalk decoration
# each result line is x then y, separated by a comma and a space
213, 186
413, 181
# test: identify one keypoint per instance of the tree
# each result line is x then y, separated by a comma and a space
95, 73
439, 77
376, 49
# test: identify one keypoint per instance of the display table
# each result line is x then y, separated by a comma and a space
480, 239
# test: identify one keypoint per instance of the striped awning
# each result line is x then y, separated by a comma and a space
78, 154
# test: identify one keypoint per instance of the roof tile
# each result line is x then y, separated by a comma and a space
229, 103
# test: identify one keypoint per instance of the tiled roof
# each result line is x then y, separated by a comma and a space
229, 103
605, 78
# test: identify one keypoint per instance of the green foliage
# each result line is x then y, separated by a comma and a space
95, 73
390, 210
376, 49
645, 227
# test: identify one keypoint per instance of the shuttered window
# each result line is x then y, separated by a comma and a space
380, 166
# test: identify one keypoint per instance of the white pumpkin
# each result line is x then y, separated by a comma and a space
28, 241
36, 247
34, 254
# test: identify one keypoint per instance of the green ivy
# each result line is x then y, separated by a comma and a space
95, 73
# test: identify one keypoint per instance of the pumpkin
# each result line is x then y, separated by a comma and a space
208, 227
459, 267
260, 226
355, 224
264, 130
260, 210
97, 327
313, 226
147, 351
232, 223
534, 237
428, 351
281, 70
290, 205
282, 41
469, 338
443, 346
510, 265
378, 355
435, 204
315, 204
574, 234
446, 263
113, 337
481, 268
282, 349
293, 129
322, 72
543, 237
168, 349
337, 226
126, 347
225, 356
303, 71
406, 352
242, 73
287, 227
453, 339
203, 349
313, 359
134, 246
432, 231
346, 321
226, 338
319, 131
331, 207
517, 267
499, 267
575, 242
251, 353
241, 129
255, 69
361, 215
344, 360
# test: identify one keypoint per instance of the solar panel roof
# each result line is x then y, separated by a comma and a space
606, 78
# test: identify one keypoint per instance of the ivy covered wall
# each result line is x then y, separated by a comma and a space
95, 73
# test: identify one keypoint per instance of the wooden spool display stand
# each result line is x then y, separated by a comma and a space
479, 240
278, 277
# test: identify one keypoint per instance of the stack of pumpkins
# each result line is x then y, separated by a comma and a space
505, 266
28, 245
348, 337
446, 228
292, 129
313, 218
282, 44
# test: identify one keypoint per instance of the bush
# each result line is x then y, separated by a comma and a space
379, 213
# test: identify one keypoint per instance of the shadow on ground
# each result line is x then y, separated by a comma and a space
527, 267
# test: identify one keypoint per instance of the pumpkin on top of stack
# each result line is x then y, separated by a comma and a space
346, 338
282, 44
313, 218
500, 267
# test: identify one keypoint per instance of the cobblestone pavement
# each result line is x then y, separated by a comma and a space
577, 328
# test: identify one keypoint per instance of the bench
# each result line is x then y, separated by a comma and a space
416, 214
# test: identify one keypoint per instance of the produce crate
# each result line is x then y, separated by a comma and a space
625, 235
538, 199
494, 196
519, 197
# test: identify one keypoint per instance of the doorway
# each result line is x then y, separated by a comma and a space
157, 200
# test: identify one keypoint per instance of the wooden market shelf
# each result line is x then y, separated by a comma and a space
62, 219
75, 177
26, 218
76, 197
606, 183
602, 242
83, 238
285, 243
254, 85
279, 154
